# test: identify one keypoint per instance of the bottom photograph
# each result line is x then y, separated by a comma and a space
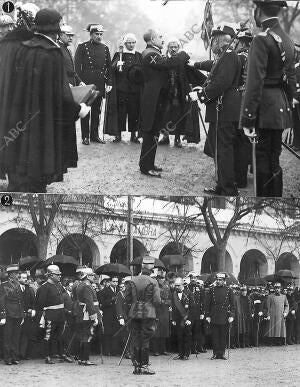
137, 290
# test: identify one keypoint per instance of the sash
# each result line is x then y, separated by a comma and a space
179, 306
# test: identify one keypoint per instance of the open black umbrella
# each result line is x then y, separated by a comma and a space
286, 274
111, 269
230, 278
139, 260
29, 262
61, 260
254, 281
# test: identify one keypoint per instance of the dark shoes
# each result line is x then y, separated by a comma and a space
178, 144
97, 140
151, 173
217, 191
155, 354
213, 357
117, 139
145, 370
8, 362
66, 359
157, 169
86, 363
202, 350
48, 360
134, 139
164, 141
86, 141
222, 357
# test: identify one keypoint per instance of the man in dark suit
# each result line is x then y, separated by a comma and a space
93, 66
154, 97
296, 106
221, 96
219, 312
270, 88
107, 299
127, 92
65, 40
10, 292
182, 318
27, 329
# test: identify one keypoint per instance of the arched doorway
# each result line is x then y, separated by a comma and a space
119, 251
253, 264
209, 262
288, 261
16, 243
185, 264
80, 247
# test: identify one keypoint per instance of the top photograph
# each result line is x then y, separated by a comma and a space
150, 97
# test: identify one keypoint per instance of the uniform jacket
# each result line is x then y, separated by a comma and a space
11, 293
142, 290
121, 77
50, 294
86, 295
266, 104
187, 311
93, 64
199, 301
28, 297
293, 305
155, 74
220, 304
73, 78
275, 307
163, 313
121, 306
222, 82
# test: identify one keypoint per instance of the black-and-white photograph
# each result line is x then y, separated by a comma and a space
154, 291
150, 97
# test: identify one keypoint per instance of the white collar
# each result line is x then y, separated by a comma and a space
126, 51
48, 38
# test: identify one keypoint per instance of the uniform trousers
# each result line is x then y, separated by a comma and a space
11, 337
296, 128
90, 129
85, 330
198, 336
219, 335
128, 106
141, 333
269, 173
184, 335
54, 337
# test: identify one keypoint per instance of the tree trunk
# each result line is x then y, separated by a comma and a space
42, 246
221, 254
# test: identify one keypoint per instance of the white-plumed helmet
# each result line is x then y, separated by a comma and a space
6, 20
53, 269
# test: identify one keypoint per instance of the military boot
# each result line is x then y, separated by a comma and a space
145, 370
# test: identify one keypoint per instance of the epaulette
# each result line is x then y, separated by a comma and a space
263, 33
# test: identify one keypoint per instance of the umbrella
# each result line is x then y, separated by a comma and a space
139, 260
29, 262
271, 278
285, 274
254, 281
230, 278
113, 269
61, 260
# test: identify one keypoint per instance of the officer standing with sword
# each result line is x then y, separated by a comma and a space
270, 88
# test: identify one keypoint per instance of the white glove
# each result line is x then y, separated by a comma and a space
82, 84
295, 101
201, 316
191, 62
285, 314
120, 63
230, 319
121, 321
84, 111
170, 308
293, 312
252, 315
174, 323
208, 319
260, 314
70, 84
3, 321
193, 95
96, 322
22, 322
108, 88
250, 132
187, 322
268, 318
33, 313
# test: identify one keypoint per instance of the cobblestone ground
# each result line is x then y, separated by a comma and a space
268, 366
113, 169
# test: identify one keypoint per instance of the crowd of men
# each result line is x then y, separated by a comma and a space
248, 95
154, 312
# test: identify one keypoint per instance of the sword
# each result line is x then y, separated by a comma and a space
254, 141
229, 330
105, 112
124, 350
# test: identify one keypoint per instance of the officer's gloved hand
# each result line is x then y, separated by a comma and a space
108, 88
268, 318
174, 323
230, 320
96, 322
193, 95
84, 111
285, 314
187, 322
82, 84
170, 308
252, 315
201, 316
3, 321
260, 314
208, 319
293, 311
191, 62
121, 321
250, 133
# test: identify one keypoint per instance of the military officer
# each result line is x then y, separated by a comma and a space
142, 293
270, 88
50, 304
154, 97
10, 292
65, 40
93, 66
222, 99
219, 312
128, 92
6, 24
296, 106
89, 316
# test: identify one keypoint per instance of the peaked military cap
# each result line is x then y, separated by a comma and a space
279, 3
92, 27
245, 35
223, 29
12, 268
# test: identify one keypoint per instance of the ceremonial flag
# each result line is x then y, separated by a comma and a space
207, 24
